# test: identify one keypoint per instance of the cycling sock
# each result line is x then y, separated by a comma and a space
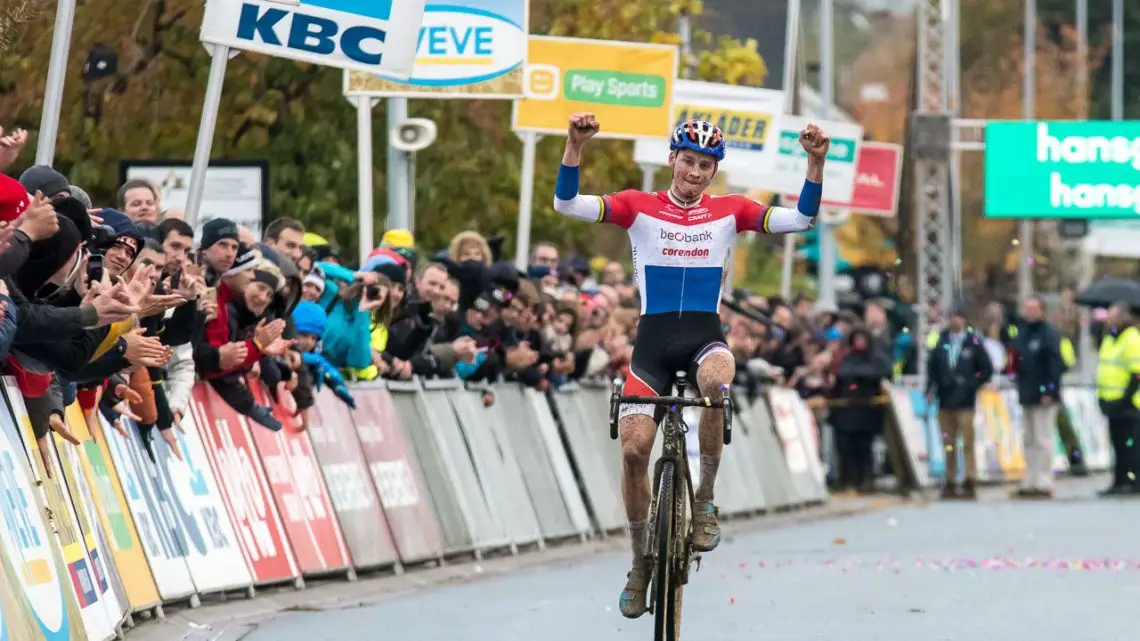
709, 466
639, 538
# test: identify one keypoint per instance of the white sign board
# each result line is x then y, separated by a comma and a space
1114, 238
746, 115
790, 168
365, 35
239, 192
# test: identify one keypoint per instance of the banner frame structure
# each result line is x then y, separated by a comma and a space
211, 102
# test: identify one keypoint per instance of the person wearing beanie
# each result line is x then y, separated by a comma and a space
218, 248
957, 368
38, 221
310, 321
80, 195
398, 239
45, 180
119, 257
240, 336
312, 287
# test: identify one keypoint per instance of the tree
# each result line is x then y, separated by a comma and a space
294, 116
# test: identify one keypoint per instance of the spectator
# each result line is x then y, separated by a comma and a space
219, 248
310, 321
1038, 367
44, 179
139, 200
957, 368
1118, 379
614, 274
286, 236
856, 418
469, 246
177, 238
544, 255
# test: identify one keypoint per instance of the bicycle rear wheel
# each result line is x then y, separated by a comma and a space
663, 573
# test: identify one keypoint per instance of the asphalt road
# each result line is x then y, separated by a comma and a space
1067, 570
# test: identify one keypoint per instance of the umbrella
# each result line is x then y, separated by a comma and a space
1108, 291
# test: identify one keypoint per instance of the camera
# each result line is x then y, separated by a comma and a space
373, 291
102, 237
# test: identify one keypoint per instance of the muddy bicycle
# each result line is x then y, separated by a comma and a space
670, 550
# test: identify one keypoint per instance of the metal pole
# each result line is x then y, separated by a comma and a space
364, 175
57, 72
647, 173
1117, 59
1083, 55
210, 104
1025, 227
397, 168
791, 50
411, 164
526, 198
1087, 353
684, 30
827, 250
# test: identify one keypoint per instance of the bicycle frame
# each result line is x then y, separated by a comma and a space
680, 503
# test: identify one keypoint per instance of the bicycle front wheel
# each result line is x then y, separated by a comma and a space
678, 577
663, 601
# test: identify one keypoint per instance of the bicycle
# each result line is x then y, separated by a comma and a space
670, 548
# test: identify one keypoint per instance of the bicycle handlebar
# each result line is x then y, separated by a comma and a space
617, 400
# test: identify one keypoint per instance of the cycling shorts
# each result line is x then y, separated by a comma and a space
668, 343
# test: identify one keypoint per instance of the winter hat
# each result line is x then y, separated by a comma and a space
316, 280
246, 259
264, 271
73, 208
43, 179
81, 196
309, 318
395, 272
14, 199
47, 256
400, 238
126, 232
216, 229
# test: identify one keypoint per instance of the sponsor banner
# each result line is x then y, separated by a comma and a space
111, 506
401, 491
466, 49
51, 612
235, 189
243, 486
295, 479
346, 474
784, 414
1064, 169
991, 418
367, 35
927, 416
94, 538
747, 117
790, 166
164, 547
79, 569
189, 497
628, 85
878, 175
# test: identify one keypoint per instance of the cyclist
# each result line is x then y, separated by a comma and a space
680, 239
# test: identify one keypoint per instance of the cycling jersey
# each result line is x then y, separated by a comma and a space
679, 251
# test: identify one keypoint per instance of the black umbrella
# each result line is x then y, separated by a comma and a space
1108, 291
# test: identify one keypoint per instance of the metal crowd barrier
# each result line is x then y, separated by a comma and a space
420, 472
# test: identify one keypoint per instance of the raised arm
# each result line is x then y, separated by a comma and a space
567, 200
782, 220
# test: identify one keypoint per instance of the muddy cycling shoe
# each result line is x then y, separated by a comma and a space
706, 527
632, 601
264, 416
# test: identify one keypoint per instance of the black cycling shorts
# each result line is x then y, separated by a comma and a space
666, 344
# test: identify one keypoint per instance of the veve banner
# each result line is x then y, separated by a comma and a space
466, 49
746, 115
367, 35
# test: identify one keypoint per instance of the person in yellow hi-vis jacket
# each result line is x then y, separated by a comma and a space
1117, 387
1065, 428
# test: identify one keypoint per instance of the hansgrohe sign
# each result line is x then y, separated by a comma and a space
1063, 169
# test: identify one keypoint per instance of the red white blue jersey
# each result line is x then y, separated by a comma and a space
680, 253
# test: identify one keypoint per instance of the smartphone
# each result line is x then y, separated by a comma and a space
211, 295
94, 269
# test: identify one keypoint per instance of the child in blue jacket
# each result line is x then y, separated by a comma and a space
309, 320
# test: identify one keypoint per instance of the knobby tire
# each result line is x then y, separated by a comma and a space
663, 576
680, 558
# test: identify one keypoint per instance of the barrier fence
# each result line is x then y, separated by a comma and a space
420, 472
